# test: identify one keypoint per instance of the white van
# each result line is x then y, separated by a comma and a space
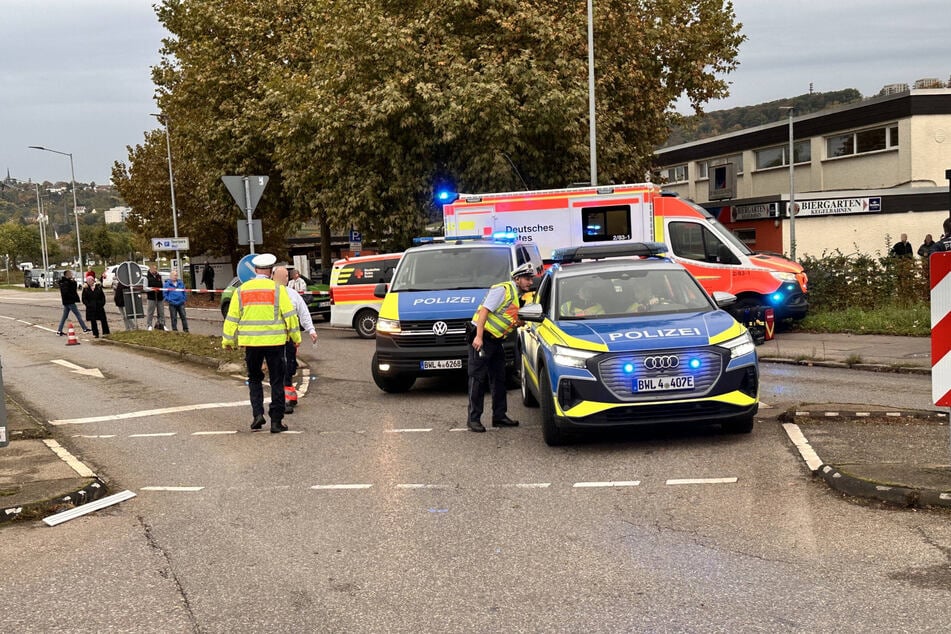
352, 280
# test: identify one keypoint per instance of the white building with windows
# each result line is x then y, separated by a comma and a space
116, 214
864, 174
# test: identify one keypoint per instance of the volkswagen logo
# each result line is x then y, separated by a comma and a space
662, 362
440, 328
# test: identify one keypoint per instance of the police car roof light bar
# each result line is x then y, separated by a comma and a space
601, 251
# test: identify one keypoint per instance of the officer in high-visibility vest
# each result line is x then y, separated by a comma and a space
493, 321
261, 319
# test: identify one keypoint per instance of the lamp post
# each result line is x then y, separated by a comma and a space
72, 177
792, 185
171, 183
42, 220
592, 129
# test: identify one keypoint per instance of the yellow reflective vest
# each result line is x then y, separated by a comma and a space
261, 314
502, 321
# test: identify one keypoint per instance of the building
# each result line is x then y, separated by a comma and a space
116, 214
864, 174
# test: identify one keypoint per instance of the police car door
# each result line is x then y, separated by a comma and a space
528, 336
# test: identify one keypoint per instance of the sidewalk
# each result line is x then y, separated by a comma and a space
899, 457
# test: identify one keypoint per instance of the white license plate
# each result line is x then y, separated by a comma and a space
441, 364
323, 304
663, 383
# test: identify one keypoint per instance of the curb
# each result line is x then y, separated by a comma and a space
92, 491
840, 365
186, 356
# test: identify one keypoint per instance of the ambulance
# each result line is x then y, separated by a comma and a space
352, 283
590, 216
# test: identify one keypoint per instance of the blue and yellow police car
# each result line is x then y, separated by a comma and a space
616, 340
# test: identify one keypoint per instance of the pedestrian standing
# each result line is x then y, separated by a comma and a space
903, 248
95, 301
69, 294
290, 348
494, 320
261, 319
122, 296
208, 279
153, 298
174, 291
926, 247
296, 282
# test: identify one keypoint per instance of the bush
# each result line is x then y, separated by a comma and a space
839, 282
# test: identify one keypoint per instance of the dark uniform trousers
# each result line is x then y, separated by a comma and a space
487, 372
254, 357
290, 362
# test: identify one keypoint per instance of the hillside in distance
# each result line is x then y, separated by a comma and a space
719, 122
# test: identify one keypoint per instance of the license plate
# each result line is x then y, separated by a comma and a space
323, 304
441, 364
664, 383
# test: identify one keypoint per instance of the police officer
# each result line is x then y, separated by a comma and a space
261, 318
495, 319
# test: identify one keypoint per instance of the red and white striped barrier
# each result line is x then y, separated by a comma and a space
141, 289
941, 328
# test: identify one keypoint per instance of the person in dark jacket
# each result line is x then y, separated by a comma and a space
208, 279
926, 247
902, 248
153, 298
69, 293
95, 301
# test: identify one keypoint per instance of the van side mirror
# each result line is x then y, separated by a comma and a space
380, 290
531, 312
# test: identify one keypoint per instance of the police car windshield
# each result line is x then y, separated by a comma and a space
629, 293
452, 268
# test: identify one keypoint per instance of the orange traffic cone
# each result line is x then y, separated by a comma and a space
71, 339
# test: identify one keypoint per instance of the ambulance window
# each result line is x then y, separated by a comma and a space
693, 241
600, 224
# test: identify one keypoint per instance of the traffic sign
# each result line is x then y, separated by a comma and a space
245, 268
170, 244
244, 238
249, 198
355, 236
129, 273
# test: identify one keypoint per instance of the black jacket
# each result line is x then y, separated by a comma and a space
95, 300
68, 291
154, 280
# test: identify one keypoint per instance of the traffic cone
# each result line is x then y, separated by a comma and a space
290, 398
71, 339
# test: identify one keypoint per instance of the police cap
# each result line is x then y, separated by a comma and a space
263, 261
525, 270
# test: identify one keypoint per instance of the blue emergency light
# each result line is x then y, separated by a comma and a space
446, 196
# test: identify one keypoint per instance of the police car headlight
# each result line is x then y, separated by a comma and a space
783, 276
391, 326
571, 357
740, 345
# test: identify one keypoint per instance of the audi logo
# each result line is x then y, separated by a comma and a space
440, 328
662, 362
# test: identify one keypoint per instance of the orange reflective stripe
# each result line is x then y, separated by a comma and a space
257, 296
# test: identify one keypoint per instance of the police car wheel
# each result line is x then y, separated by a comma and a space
364, 323
394, 384
741, 425
528, 399
550, 433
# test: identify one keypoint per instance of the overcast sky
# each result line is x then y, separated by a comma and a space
74, 74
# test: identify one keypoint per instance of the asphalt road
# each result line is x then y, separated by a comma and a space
381, 515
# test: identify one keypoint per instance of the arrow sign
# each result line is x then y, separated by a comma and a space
79, 369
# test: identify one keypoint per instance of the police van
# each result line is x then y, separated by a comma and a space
435, 291
616, 340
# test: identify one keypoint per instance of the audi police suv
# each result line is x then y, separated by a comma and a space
615, 340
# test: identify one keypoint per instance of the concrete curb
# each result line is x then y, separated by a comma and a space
94, 490
839, 365
185, 356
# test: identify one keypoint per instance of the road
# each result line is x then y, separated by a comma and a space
384, 515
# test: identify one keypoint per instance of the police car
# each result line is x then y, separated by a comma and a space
618, 340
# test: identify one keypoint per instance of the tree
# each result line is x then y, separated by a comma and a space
20, 242
354, 123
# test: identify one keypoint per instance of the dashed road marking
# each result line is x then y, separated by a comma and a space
593, 485
678, 481
213, 433
423, 486
407, 430
175, 489
155, 435
339, 487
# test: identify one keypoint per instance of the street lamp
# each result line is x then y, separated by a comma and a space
592, 130
171, 183
72, 176
42, 220
792, 185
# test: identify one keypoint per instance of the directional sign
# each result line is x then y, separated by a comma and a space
77, 369
247, 199
245, 268
170, 244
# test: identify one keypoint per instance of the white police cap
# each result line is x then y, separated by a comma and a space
263, 261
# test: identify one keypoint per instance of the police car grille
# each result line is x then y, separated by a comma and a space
619, 382
419, 334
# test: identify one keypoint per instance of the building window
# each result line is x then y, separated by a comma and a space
778, 156
874, 140
703, 167
675, 174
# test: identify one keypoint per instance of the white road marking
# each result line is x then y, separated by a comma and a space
10, 318
28, 323
805, 449
467, 429
407, 430
158, 435
44, 328
78, 369
335, 487
148, 412
423, 486
180, 489
304, 383
701, 481
212, 433
94, 436
592, 485
70, 459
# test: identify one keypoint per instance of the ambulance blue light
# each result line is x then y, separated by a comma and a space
694, 364
628, 368
777, 298
505, 236
446, 196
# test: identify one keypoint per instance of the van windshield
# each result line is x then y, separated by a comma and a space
451, 268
